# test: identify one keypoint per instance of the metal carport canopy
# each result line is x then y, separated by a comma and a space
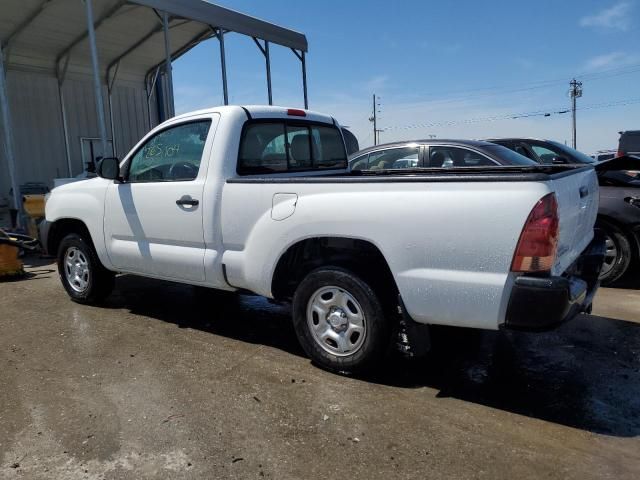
44, 33
120, 38
215, 15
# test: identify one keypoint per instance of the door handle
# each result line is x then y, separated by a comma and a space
187, 200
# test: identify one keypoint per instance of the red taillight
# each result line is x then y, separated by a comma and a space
294, 112
536, 249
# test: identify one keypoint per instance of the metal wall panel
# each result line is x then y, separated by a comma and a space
130, 116
37, 127
38, 130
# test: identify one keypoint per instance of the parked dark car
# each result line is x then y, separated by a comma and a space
544, 151
434, 153
629, 143
619, 212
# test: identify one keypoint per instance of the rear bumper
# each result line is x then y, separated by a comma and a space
539, 303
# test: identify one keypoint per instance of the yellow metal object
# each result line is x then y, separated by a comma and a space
9, 263
33, 206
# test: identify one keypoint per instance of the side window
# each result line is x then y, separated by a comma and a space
545, 155
328, 147
448, 157
172, 155
359, 163
279, 147
299, 147
394, 158
265, 147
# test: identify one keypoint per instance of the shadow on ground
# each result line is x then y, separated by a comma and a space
585, 374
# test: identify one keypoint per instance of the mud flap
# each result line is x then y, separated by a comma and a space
413, 339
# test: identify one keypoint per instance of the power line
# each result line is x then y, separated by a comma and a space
540, 113
540, 84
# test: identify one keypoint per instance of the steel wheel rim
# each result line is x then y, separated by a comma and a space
76, 269
610, 255
336, 321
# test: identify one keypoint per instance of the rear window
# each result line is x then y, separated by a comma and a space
270, 147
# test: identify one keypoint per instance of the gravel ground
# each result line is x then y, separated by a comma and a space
159, 384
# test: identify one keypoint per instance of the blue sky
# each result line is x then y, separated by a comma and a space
451, 69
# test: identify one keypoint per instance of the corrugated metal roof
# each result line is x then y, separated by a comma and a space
46, 29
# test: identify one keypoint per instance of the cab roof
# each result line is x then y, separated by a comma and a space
267, 111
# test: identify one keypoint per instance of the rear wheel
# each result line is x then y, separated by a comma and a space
339, 321
618, 253
81, 273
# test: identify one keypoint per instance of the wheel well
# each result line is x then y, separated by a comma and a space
360, 256
61, 228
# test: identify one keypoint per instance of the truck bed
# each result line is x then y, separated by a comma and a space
533, 173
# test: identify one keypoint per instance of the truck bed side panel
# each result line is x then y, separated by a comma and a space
449, 245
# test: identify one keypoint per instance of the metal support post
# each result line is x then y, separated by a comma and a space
110, 84
150, 90
96, 76
267, 58
223, 66
302, 58
6, 127
168, 67
268, 62
65, 127
304, 81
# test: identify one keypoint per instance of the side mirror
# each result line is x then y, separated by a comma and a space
109, 168
558, 160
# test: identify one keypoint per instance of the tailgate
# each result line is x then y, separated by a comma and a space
577, 195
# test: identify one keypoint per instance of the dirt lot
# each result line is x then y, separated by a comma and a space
156, 384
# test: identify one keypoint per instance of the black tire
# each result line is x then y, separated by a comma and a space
97, 281
377, 330
619, 253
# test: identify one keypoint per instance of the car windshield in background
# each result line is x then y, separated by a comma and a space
573, 153
508, 156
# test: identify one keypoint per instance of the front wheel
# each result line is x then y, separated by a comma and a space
339, 321
82, 275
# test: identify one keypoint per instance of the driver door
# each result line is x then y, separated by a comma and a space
153, 219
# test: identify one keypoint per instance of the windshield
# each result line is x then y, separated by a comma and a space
508, 156
572, 153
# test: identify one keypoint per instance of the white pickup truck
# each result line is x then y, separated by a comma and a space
261, 199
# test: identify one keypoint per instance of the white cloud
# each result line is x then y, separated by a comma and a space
616, 17
610, 60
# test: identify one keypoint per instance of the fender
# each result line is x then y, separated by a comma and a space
83, 201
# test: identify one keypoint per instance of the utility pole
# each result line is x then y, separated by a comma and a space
374, 119
575, 91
